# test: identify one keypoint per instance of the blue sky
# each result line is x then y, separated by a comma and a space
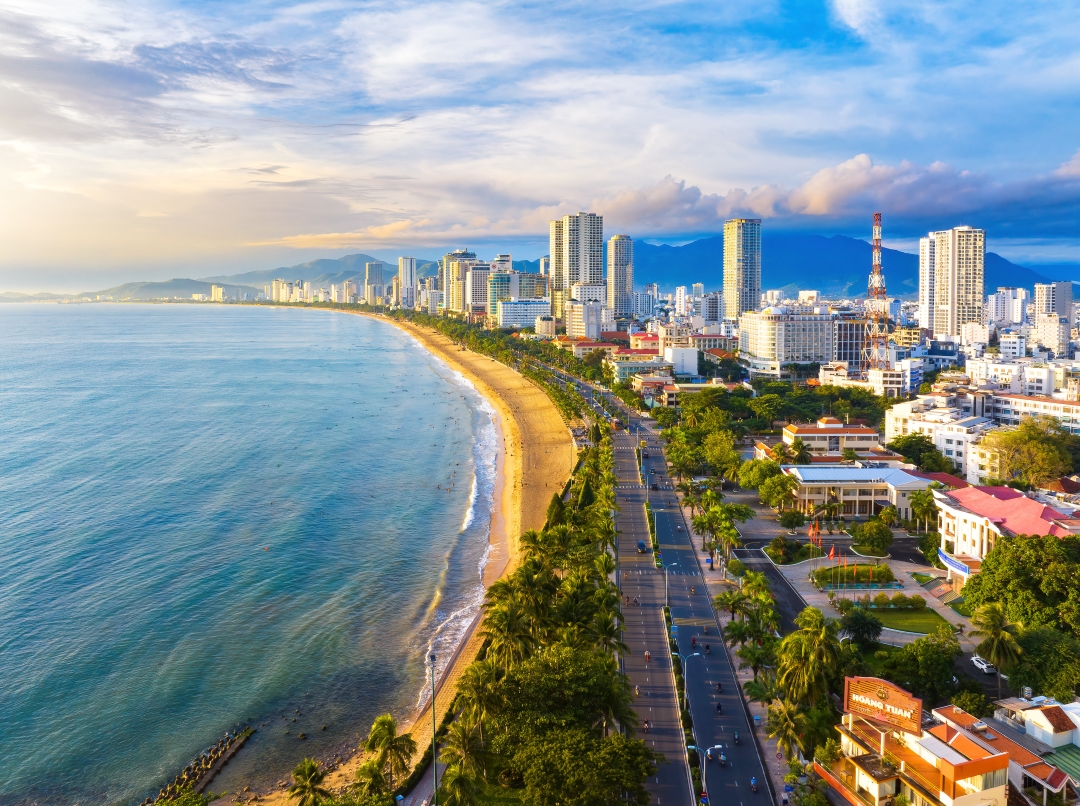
155, 139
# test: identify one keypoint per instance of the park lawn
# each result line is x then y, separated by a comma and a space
924, 621
922, 579
866, 551
801, 555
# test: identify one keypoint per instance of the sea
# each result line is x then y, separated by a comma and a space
214, 516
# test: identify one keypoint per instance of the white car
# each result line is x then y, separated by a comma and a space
982, 665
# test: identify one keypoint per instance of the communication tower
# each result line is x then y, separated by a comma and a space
876, 349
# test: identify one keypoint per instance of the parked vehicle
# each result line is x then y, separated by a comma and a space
656, 486
983, 665
641, 547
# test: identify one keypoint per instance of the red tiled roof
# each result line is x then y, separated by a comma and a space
947, 479
1065, 485
1058, 719
1011, 510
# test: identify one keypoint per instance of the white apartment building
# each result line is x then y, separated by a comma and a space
217, 293
503, 263
951, 430
407, 281
927, 267
576, 249
1052, 332
644, 305
742, 266
1006, 307
587, 320
545, 325
476, 288
522, 312
1012, 345
771, 340
620, 276
861, 491
959, 256
680, 300
588, 292
1054, 297
672, 334
684, 360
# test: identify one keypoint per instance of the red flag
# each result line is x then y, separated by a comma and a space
832, 551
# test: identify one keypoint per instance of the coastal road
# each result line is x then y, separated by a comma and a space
645, 631
695, 619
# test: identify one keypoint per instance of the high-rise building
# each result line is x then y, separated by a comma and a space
698, 289
644, 305
577, 254
742, 266
712, 308
217, 293
959, 290
452, 268
680, 300
927, 268
653, 289
587, 320
407, 280
1006, 307
545, 265
1054, 298
1052, 332
620, 275
476, 288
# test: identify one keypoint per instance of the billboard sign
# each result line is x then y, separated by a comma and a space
882, 701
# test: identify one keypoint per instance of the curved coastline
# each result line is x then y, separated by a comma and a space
535, 456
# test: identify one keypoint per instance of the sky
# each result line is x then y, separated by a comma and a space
149, 140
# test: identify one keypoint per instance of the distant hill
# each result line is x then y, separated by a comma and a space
323, 272
178, 287
835, 266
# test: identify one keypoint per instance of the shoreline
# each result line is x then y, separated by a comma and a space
530, 465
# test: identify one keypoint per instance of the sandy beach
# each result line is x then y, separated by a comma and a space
536, 457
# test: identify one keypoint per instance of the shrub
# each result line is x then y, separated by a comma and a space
900, 601
827, 753
792, 519
974, 702
843, 606
882, 600
865, 601
917, 602
874, 535
736, 567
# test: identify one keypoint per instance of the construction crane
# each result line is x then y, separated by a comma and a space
876, 346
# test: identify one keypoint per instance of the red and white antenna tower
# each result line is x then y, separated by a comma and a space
876, 349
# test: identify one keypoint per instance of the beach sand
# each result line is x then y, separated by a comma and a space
537, 455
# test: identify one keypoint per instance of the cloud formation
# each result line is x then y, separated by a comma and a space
157, 138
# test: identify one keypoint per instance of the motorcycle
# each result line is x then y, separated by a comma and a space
736, 737
719, 687
723, 759
719, 707
707, 650
646, 726
753, 785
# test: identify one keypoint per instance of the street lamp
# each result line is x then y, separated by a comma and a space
686, 674
434, 729
667, 597
704, 783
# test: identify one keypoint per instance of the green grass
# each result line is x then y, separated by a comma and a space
875, 664
922, 579
961, 607
924, 621
866, 551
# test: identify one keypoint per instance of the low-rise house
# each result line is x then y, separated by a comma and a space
971, 519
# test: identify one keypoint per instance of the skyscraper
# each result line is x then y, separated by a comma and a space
620, 275
927, 267
742, 266
406, 271
680, 300
577, 255
959, 290
452, 268
373, 282
1054, 298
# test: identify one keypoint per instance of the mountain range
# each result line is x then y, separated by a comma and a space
836, 266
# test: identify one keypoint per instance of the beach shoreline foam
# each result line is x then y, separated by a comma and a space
535, 457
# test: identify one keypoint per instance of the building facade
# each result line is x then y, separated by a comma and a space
772, 340
521, 312
742, 266
576, 245
620, 276
407, 281
959, 288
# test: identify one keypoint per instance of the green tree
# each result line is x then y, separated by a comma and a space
555, 510
778, 490
1034, 579
974, 702
923, 506
998, 634
393, 751
1036, 451
808, 657
767, 407
862, 626
888, 516
307, 787
459, 787
875, 536
786, 723
925, 666
508, 628
919, 449
463, 750
792, 519
1049, 663
849, 455
577, 769
720, 451
370, 779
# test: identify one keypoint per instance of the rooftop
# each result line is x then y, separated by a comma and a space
947, 479
1012, 511
835, 474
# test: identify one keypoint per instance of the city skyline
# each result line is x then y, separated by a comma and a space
189, 139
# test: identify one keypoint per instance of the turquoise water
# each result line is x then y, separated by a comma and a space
219, 515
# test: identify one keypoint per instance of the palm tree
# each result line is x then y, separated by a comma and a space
786, 724
999, 644
863, 626
761, 689
478, 690
370, 779
307, 788
607, 634
509, 630
779, 453
459, 788
800, 454
394, 752
888, 516
604, 565
808, 657
733, 601
923, 506
462, 748
755, 657
616, 705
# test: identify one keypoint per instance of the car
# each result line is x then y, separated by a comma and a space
644, 456
641, 547
982, 665
656, 486
678, 528
652, 471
